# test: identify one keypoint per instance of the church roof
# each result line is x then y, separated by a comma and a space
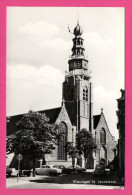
11, 124
52, 114
96, 119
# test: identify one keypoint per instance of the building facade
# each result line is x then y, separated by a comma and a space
75, 114
121, 129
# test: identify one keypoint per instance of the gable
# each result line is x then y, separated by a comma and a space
63, 116
103, 124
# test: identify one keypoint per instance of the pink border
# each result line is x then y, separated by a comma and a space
128, 80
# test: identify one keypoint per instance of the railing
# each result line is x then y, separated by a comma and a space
76, 72
78, 57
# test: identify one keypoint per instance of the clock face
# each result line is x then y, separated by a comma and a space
78, 64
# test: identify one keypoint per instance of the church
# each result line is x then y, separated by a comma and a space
75, 113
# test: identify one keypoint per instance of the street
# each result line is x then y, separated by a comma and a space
69, 181
35, 185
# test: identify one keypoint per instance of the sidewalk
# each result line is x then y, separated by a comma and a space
13, 181
89, 170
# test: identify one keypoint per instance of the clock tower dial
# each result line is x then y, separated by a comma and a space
78, 64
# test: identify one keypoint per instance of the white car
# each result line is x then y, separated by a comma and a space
48, 170
10, 171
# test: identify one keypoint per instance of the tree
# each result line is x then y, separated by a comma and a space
35, 137
85, 143
72, 152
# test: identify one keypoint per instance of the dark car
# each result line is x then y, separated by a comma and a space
68, 170
64, 169
77, 169
99, 170
23, 173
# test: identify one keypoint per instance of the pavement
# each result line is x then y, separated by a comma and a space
69, 181
14, 181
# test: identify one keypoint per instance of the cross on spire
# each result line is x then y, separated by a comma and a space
78, 17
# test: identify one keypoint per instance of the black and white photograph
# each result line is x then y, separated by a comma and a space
65, 98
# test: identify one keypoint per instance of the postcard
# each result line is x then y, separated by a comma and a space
65, 75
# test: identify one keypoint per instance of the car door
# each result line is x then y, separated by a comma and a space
43, 170
48, 169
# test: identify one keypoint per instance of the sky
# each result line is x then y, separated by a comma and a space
38, 48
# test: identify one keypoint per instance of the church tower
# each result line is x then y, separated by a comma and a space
77, 88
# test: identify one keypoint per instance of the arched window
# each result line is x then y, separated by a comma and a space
62, 155
103, 153
85, 94
102, 136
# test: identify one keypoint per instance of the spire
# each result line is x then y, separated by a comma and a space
78, 30
77, 59
78, 49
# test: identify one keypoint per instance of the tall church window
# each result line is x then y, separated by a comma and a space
102, 136
84, 109
85, 94
87, 110
62, 155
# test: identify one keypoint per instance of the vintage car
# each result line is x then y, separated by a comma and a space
77, 169
64, 169
10, 171
23, 173
48, 170
99, 170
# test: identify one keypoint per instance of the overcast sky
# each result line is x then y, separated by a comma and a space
38, 49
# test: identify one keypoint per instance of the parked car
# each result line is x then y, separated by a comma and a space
64, 169
99, 170
113, 166
48, 170
10, 171
77, 169
24, 173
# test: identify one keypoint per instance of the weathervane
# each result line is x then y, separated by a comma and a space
78, 18
77, 23
69, 29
